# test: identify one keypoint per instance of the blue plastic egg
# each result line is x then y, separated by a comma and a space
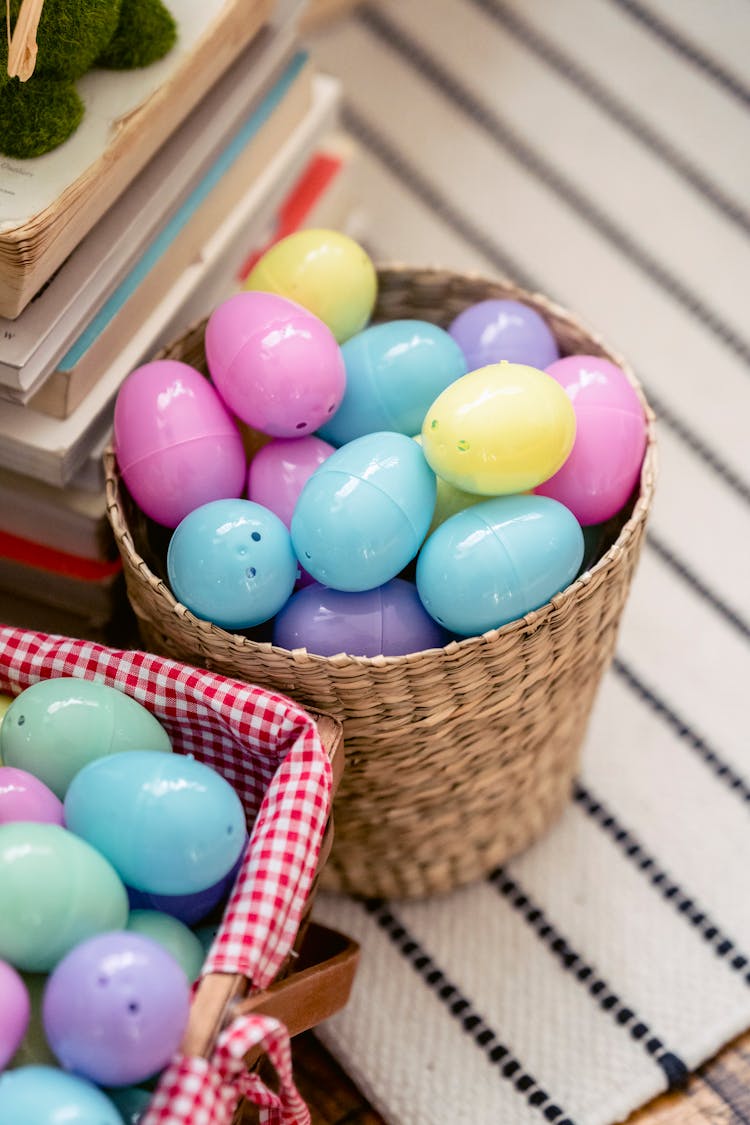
497, 561
56, 726
364, 513
231, 562
167, 823
44, 1095
394, 372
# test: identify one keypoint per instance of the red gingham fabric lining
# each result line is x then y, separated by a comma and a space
270, 751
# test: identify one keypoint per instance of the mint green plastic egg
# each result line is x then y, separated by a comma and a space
57, 726
173, 935
55, 891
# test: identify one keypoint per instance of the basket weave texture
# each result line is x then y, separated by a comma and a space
459, 757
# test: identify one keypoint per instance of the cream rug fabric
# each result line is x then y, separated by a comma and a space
599, 151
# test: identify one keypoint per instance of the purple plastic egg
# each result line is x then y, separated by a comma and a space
176, 443
493, 330
603, 466
389, 620
15, 1012
115, 1008
276, 365
280, 469
25, 797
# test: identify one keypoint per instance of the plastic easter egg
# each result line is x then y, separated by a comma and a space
497, 561
275, 365
394, 371
362, 516
605, 462
325, 271
115, 1009
44, 1095
279, 471
56, 726
176, 443
189, 908
131, 1103
15, 1011
231, 562
389, 620
24, 797
167, 823
449, 499
502, 429
56, 890
173, 935
498, 329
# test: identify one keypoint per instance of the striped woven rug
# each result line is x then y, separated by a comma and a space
598, 151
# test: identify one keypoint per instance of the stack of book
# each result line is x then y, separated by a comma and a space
113, 244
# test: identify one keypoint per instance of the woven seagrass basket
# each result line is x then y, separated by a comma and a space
458, 757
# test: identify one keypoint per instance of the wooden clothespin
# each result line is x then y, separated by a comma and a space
22, 43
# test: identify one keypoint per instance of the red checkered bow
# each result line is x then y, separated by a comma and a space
270, 751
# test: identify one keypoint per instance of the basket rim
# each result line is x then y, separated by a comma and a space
530, 621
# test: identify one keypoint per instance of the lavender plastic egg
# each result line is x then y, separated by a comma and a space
279, 471
497, 329
115, 1009
231, 562
390, 620
176, 443
603, 466
275, 364
44, 1095
25, 797
15, 1011
167, 823
362, 516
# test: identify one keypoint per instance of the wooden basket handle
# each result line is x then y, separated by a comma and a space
22, 45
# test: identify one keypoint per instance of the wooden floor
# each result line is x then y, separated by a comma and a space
718, 1094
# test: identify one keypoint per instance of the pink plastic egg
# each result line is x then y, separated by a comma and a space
276, 365
25, 797
280, 469
177, 445
603, 465
15, 1011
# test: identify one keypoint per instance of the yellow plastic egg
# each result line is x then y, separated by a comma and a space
501, 429
449, 500
325, 271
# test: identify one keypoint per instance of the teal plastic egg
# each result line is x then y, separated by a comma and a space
364, 513
43, 1095
497, 561
56, 890
168, 824
394, 371
56, 726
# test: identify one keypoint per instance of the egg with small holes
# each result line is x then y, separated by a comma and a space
177, 445
363, 514
497, 561
231, 562
501, 429
167, 823
276, 365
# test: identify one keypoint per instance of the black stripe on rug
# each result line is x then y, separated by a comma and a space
689, 50
704, 592
462, 1010
617, 110
621, 1012
447, 84
683, 730
441, 206
662, 882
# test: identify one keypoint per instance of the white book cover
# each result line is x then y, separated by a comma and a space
54, 450
31, 345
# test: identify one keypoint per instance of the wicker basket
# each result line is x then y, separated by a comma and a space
458, 757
